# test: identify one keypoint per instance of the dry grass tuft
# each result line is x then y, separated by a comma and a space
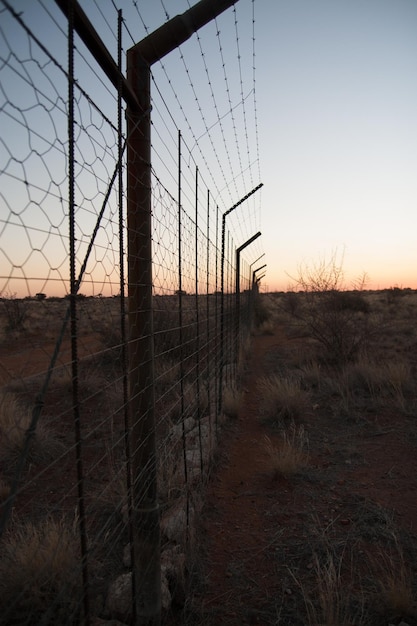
290, 454
39, 570
282, 398
394, 579
390, 380
232, 399
329, 601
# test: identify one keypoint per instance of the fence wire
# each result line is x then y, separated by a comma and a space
68, 461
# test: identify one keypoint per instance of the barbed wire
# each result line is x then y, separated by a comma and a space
237, 171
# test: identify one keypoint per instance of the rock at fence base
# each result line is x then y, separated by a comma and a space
174, 524
127, 556
97, 621
173, 568
193, 458
119, 598
186, 426
166, 598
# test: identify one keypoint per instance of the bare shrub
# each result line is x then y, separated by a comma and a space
16, 311
394, 294
338, 319
15, 422
291, 302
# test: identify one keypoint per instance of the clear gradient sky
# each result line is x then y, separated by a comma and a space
336, 105
337, 93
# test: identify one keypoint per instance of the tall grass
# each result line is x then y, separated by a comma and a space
39, 574
282, 398
289, 454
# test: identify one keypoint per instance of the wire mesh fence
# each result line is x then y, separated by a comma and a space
93, 496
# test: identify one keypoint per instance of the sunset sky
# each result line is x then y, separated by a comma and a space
336, 89
336, 111
337, 92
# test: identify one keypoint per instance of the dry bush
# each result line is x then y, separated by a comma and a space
39, 574
15, 422
291, 302
394, 295
342, 332
336, 318
16, 311
288, 455
282, 398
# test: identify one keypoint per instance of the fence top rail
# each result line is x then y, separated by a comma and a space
92, 40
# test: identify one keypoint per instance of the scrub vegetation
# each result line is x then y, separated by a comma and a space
333, 458
332, 429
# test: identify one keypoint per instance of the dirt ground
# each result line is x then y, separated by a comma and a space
334, 544
345, 527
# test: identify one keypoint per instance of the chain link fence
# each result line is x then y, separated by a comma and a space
73, 458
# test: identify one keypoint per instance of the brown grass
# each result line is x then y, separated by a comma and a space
289, 454
394, 581
282, 398
39, 572
329, 602
389, 380
232, 399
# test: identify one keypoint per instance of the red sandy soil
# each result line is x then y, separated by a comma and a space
262, 533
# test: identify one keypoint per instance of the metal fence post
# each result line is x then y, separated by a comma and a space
145, 510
